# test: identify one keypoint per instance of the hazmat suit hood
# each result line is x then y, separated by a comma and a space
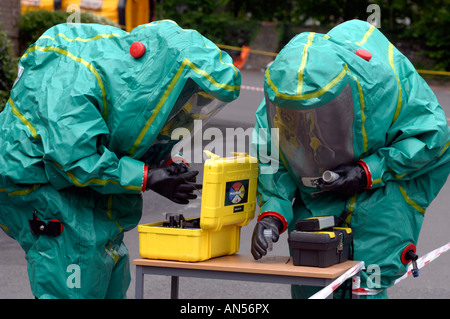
320, 83
139, 92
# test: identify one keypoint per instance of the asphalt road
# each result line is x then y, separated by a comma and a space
433, 282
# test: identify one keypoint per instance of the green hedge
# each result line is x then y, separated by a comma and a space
7, 68
214, 19
34, 23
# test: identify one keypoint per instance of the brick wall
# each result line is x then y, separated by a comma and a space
9, 18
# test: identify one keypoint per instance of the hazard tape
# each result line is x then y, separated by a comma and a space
433, 72
328, 290
230, 47
421, 262
252, 88
425, 260
357, 290
274, 54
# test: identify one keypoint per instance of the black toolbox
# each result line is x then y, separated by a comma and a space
320, 248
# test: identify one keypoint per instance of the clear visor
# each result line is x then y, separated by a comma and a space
193, 108
200, 106
316, 139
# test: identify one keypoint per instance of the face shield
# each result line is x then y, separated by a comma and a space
193, 104
313, 140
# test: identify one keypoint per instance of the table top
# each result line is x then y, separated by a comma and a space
244, 263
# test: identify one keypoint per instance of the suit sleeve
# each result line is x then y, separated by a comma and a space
75, 155
417, 138
63, 101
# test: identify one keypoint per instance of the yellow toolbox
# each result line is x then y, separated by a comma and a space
228, 203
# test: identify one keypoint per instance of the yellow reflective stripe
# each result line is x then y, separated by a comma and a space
112, 252
444, 149
410, 201
299, 97
376, 181
202, 38
236, 73
99, 36
303, 63
157, 109
21, 192
109, 212
109, 208
399, 100
5, 228
208, 76
23, 119
366, 36
351, 208
89, 66
351, 205
363, 115
156, 23
400, 176
95, 180
169, 89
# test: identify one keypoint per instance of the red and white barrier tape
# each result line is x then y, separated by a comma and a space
357, 290
425, 260
252, 88
421, 262
328, 290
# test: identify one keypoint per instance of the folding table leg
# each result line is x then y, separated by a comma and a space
139, 285
174, 287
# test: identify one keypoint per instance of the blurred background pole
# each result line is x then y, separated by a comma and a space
9, 18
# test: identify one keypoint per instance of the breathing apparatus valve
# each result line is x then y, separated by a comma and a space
409, 255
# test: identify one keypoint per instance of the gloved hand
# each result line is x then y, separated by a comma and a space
180, 168
352, 179
173, 184
259, 242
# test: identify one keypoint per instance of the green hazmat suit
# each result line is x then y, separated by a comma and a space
82, 116
327, 104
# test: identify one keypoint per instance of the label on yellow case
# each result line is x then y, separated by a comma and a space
236, 192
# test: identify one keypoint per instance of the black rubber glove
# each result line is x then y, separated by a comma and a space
180, 168
169, 182
352, 179
259, 242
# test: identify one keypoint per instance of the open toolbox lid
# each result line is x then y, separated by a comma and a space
229, 191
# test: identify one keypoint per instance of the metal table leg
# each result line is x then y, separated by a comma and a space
139, 286
174, 287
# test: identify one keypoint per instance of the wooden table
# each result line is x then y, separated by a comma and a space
275, 269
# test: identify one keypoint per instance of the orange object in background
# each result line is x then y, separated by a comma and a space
239, 61
138, 12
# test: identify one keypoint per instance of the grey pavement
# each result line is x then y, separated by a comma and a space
433, 282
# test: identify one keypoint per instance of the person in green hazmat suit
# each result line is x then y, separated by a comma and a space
349, 101
86, 129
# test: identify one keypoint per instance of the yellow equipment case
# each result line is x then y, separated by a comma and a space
228, 203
